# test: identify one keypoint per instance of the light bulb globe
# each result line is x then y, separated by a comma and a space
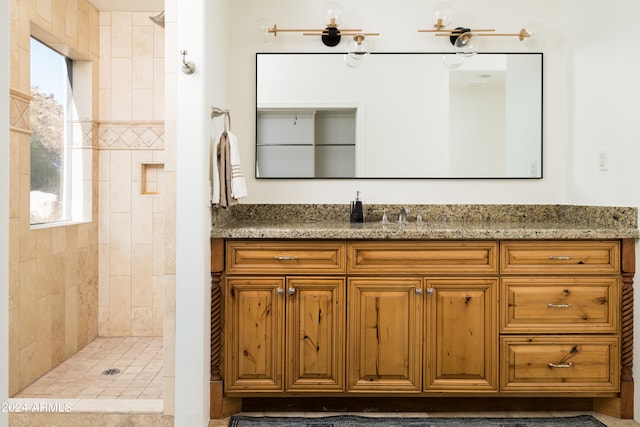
467, 44
442, 15
333, 12
352, 61
452, 61
358, 50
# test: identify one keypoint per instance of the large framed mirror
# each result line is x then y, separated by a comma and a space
400, 115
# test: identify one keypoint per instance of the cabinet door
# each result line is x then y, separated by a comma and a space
461, 338
385, 330
254, 329
315, 330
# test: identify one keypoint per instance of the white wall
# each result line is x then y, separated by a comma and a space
201, 29
398, 25
4, 208
603, 90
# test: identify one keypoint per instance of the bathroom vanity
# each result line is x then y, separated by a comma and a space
513, 303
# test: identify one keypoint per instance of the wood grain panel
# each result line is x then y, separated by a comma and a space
384, 334
560, 257
315, 323
286, 257
423, 257
255, 334
560, 304
461, 341
560, 363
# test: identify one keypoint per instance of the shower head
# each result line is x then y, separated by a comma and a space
158, 19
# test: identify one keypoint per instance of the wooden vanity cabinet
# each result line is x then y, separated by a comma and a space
315, 333
432, 296
461, 335
385, 334
409, 334
571, 288
272, 318
428, 318
299, 320
254, 323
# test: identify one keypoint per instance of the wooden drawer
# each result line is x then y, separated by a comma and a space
560, 257
560, 364
285, 257
560, 304
419, 257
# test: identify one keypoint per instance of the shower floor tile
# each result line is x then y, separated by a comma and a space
138, 359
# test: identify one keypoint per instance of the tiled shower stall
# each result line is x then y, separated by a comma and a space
82, 290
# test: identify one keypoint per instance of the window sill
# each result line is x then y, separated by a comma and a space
69, 223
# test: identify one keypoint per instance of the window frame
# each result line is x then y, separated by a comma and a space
76, 190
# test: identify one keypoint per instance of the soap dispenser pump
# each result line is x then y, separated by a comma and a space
357, 213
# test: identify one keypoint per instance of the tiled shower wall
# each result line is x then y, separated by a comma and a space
53, 271
131, 182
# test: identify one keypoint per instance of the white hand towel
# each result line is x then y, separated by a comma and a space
238, 184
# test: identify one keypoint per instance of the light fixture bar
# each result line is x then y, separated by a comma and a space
342, 32
457, 31
330, 35
309, 31
521, 35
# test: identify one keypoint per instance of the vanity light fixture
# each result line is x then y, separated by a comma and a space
466, 40
331, 34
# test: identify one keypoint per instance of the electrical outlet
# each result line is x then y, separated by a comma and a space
603, 159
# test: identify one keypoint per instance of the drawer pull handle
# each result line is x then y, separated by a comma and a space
553, 365
559, 305
286, 258
560, 257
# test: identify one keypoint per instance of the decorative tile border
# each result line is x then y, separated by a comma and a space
131, 135
19, 111
85, 134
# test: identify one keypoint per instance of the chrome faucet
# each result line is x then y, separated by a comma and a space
403, 215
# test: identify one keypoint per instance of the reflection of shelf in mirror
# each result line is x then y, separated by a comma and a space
306, 143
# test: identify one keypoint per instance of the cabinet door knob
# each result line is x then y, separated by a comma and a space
429, 291
279, 291
418, 291
291, 291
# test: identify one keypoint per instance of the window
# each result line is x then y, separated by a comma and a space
51, 138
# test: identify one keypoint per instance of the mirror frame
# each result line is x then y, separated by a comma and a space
541, 124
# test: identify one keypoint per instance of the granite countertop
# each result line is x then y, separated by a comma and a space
440, 222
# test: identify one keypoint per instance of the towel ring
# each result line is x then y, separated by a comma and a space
217, 112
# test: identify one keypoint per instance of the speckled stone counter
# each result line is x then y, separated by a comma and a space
441, 222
